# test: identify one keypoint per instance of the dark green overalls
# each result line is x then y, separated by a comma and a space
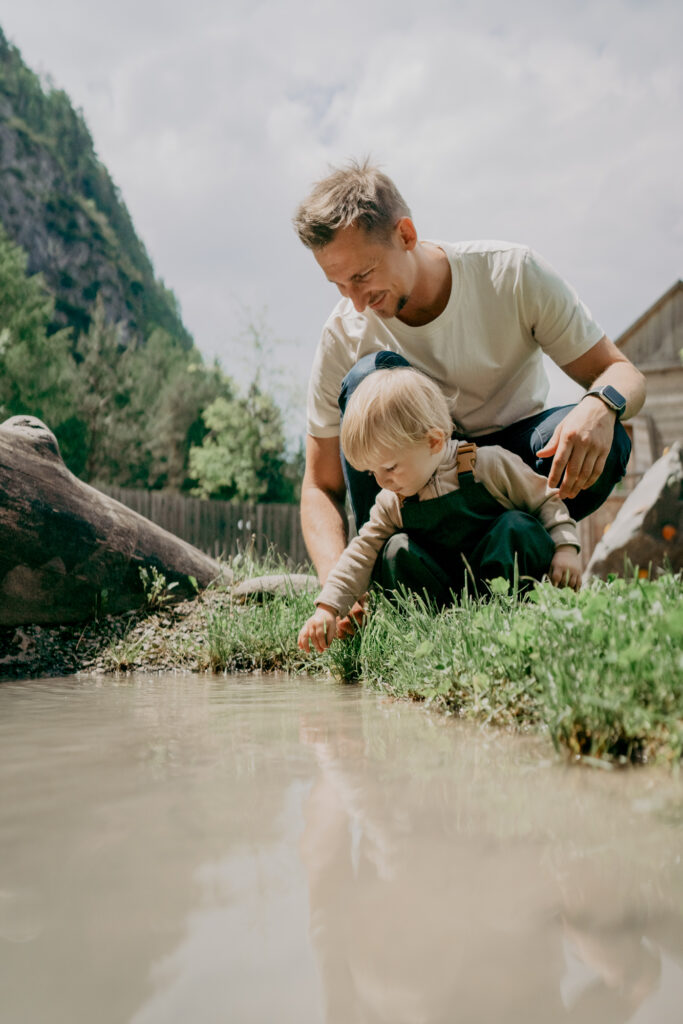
467, 524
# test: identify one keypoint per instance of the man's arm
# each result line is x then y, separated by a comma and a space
582, 441
323, 518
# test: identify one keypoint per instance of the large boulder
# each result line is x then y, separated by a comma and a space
648, 529
67, 550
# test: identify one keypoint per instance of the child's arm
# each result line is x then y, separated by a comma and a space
350, 577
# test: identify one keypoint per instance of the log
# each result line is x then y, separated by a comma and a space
67, 551
281, 584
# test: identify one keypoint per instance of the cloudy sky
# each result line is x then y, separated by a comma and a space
555, 123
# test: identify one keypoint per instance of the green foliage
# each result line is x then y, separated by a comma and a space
256, 637
139, 406
130, 414
129, 400
36, 372
243, 455
157, 589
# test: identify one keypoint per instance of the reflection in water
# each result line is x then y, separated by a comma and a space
455, 887
261, 849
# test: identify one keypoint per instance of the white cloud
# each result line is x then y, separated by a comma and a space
553, 124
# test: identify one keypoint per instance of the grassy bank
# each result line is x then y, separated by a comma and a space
601, 671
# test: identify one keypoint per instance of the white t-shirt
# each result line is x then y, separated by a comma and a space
507, 306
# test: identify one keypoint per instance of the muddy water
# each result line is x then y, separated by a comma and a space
181, 849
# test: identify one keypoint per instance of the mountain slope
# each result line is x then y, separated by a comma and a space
58, 202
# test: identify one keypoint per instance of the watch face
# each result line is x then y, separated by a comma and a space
613, 397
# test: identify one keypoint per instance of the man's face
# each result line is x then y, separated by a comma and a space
375, 274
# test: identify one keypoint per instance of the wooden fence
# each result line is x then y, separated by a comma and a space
220, 528
224, 528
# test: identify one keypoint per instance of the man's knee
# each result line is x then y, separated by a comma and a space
383, 360
615, 468
620, 452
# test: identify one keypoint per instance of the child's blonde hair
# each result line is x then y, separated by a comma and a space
392, 409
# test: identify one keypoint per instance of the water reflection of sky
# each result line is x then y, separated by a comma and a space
185, 848
247, 946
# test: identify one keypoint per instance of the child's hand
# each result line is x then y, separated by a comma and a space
565, 568
353, 620
320, 630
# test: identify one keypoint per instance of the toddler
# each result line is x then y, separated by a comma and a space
446, 511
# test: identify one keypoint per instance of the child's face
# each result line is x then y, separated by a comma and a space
406, 470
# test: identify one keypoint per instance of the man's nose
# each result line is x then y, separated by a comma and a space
358, 298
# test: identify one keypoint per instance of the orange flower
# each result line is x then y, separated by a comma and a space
669, 532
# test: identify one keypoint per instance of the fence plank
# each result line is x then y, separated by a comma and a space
220, 528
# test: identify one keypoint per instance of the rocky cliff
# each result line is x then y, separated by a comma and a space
58, 202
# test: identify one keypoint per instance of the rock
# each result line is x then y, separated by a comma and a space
282, 584
67, 550
648, 529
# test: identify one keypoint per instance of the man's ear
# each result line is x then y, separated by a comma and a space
437, 440
407, 233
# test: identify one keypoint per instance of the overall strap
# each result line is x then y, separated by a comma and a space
466, 457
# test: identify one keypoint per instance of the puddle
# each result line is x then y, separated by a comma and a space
179, 848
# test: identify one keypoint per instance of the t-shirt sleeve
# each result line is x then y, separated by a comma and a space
557, 319
328, 371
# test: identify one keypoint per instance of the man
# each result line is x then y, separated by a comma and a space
476, 317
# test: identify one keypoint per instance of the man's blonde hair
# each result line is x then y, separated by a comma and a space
392, 409
357, 193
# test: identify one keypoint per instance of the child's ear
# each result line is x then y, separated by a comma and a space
437, 440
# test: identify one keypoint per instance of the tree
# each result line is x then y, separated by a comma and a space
140, 405
36, 369
243, 455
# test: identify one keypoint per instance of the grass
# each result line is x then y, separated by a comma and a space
257, 637
601, 671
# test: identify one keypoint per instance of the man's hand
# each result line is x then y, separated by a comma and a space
320, 630
580, 445
565, 568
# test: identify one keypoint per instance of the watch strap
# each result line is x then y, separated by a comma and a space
610, 396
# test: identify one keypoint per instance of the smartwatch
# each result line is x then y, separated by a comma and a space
610, 396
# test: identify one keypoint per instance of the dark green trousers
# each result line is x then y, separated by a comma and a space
463, 537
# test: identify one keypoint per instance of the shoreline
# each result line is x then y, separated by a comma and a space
600, 671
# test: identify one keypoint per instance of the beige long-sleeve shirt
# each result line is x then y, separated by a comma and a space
504, 475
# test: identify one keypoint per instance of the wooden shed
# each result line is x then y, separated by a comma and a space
655, 344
